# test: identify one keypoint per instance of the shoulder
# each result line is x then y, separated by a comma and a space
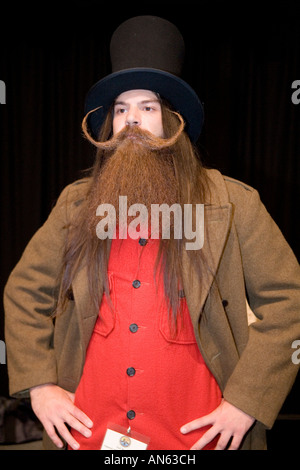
247, 207
226, 189
236, 185
75, 193
70, 200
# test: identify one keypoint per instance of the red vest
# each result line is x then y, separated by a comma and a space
136, 373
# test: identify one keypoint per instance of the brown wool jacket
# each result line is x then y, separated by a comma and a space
248, 258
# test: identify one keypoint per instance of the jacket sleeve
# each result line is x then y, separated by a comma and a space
29, 301
265, 372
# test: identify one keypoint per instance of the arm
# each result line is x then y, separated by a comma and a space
29, 301
265, 372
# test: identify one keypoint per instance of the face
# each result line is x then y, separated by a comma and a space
138, 108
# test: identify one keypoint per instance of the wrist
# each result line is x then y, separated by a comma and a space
32, 390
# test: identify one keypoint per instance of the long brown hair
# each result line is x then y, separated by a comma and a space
82, 249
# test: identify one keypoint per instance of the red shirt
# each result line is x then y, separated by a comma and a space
136, 373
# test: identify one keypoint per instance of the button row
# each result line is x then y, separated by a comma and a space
131, 413
133, 329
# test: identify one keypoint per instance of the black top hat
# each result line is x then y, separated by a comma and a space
147, 52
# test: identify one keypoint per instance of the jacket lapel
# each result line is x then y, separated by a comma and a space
217, 222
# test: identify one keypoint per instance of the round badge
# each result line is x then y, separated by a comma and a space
125, 441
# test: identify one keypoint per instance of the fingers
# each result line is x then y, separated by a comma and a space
60, 427
81, 417
66, 435
200, 423
197, 423
80, 423
235, 443
57, 412
223, 441
205, 439
227, 422
74, 418
50, 430
229, 442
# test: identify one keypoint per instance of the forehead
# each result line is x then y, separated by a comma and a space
137, 96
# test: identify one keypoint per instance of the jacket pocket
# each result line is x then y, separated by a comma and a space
183, 333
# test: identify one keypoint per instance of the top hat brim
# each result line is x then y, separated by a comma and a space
175, 90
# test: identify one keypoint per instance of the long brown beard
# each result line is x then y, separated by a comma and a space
145, 175
185, 176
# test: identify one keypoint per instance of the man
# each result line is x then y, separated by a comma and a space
140, 331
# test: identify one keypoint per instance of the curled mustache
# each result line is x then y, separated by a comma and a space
139, 135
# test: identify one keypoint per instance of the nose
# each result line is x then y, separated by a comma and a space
133, 118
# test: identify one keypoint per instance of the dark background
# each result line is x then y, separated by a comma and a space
242, 58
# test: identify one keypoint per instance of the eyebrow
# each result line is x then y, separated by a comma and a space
141, 102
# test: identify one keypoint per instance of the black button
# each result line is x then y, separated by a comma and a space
143, 241
224, 303
136, 284
130, 371
133, 327
130, 414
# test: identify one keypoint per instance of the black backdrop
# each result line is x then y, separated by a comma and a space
242, 58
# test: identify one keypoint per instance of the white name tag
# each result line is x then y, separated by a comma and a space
118, 438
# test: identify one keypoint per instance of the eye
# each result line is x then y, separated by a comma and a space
150, 107
119, 110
